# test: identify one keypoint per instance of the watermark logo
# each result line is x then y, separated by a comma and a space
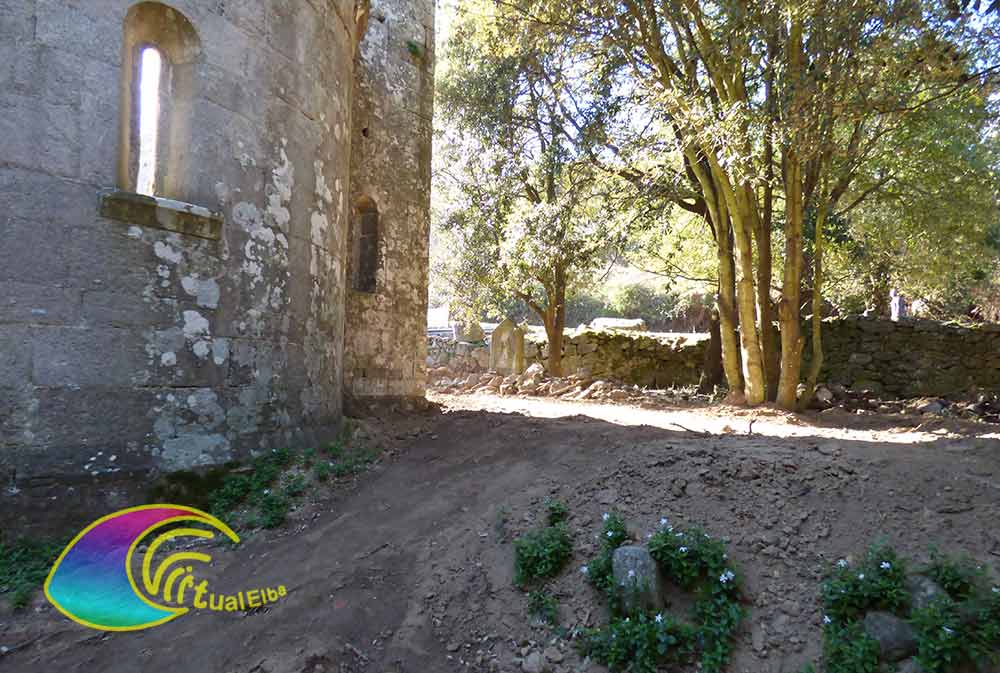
93, 581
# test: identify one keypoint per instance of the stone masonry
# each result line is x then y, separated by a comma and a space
385, 343
141, 335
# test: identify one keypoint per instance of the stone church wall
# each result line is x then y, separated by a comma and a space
385, 342
139, 336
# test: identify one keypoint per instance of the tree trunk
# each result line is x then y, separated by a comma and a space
556, 323
791, 286
789, 313
816, 365
712, 373
729, 337
746, 300
765, 311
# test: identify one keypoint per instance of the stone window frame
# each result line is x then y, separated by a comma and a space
156, 25
367, 244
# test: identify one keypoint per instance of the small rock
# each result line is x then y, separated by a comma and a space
553, 655
923, 590
757, 637
911, 665
896, 639
534, 663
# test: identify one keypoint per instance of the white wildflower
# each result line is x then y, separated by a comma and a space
611, 533
861, 576
605, 516
631, 573
885, 565
584, 570
663, 521
727, 576
842, 563
826, 619
659, 618
683, 550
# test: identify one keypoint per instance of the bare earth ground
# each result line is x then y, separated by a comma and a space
410, 568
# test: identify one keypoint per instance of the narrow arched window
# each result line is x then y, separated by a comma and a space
161, 49
150, 78
366, 246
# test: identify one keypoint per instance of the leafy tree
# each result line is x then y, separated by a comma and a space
527, 215
762, 118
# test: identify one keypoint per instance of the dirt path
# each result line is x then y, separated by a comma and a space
411, 571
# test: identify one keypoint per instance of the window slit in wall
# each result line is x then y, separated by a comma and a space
367, 247
150, 75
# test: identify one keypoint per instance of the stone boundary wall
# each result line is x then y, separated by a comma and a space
646, 359
909, 358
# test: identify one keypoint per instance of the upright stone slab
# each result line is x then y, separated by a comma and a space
468, 332
507, 349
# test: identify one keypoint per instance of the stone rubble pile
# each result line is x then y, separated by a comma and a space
534, 381
975, 406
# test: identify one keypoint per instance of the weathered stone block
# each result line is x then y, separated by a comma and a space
637, 579
88, 357
38, 303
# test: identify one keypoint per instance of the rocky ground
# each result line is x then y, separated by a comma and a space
411, 568
534, 382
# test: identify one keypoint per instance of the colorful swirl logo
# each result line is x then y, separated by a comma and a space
92, 581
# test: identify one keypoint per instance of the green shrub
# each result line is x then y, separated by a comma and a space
640, 644
542, 553
274, 509
322, 470
848, 649
878, 582
958, 576
939, 635
544, 606
689, 556
599, 570
556, 511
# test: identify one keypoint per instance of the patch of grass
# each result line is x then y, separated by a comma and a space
352, 462
322, 470
193, 488
274, 509
295, 486
541, 554
500, 524
24, 565
544, 606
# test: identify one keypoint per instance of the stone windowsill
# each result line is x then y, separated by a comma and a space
160, 213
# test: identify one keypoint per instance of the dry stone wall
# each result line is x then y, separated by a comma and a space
906, 359
910, 358
644, 359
